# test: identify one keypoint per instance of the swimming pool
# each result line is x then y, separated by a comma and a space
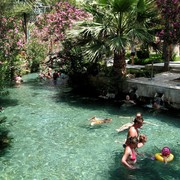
52, 139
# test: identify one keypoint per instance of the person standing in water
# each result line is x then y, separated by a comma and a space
55, 77
129, 156
134, 132
138, 122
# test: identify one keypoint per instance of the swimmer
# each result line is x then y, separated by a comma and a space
96, 121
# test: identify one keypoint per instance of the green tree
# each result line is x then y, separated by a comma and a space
170, 27
27, 9
115, 24
5, 7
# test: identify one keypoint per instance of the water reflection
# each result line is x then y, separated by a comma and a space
52, 138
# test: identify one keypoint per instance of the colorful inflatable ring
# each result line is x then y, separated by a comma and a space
159, 157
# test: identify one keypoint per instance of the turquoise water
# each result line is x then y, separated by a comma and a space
52, 139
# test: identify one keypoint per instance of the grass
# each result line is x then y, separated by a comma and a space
177, 58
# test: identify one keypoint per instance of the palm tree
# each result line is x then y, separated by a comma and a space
115, 24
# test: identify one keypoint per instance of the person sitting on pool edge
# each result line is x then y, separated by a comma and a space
129, 156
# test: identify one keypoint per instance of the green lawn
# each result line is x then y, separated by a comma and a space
177, 58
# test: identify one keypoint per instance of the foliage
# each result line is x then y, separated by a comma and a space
114, 25
11, 43
170, 27
36, 53
142, 54
177, 58
51, 27
170, 20
5, 7
141, 73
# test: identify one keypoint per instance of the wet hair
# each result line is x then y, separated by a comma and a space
138, 120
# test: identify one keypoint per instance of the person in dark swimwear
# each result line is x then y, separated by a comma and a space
55, 76
129, 157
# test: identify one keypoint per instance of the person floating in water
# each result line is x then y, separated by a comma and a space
96, 121
165, 155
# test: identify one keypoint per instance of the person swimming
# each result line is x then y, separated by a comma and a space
96, 121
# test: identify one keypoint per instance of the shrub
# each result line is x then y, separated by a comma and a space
142, 54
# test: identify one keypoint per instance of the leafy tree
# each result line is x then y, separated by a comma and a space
5, 7
116, 23
170, 32
36, 53
27, 9
11, 44
23, 10
51, 27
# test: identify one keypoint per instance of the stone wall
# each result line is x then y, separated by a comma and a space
171, 95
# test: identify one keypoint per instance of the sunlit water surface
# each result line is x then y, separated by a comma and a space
52, 139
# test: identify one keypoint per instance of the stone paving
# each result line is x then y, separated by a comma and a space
172, 65
165, 79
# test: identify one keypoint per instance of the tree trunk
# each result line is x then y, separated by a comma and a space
25, 26
120, 63
12, 70
167, 55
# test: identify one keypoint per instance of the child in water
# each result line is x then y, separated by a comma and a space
165, 153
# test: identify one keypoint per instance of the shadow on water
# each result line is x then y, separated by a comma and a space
90, 103
5, 102
75, 100
148, 169
5, 139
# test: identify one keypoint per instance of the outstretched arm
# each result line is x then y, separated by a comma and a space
124, 159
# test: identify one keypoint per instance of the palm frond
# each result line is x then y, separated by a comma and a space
117, 43
121, 6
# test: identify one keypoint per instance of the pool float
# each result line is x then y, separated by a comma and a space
165, 154
159, 157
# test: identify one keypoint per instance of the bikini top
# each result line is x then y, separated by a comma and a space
133, 156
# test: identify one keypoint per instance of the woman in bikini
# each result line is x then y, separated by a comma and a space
129, 157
